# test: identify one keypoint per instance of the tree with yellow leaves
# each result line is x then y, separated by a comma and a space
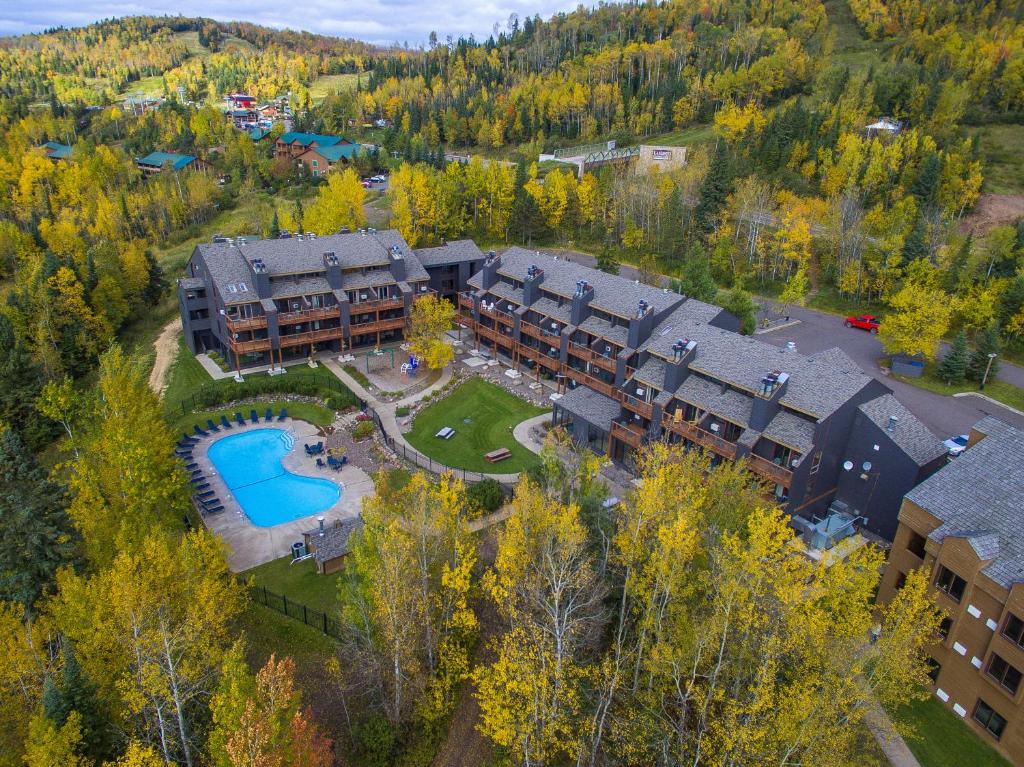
430, 320
338, 204
918, 320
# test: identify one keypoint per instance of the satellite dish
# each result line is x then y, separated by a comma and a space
848, 465
866, 466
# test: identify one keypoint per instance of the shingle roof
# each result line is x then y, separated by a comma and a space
731, 405
909, 434
453, 252
305, 139
591, 406
336, 539
191, 283
977, 496
551, 309
791, 430
336, 152
652, 373
160, 159
617, 334
303, 286
56, 150
612, 293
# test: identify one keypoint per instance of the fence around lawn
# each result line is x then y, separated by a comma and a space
317, 619
426, 462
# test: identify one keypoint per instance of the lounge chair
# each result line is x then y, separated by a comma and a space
254, 416
200, 485
319, 448
191, 466
211, 425
183, 450
205, 495
283, 415
225, 422
320, 463
187, 438
213, 510
239, 420
269, 415
207, 502
200, 432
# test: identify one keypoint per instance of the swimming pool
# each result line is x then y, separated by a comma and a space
250, 465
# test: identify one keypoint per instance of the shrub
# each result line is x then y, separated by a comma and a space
335, 395
363, 430
402, 411
486, 495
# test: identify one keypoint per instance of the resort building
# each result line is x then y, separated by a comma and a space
634, 364
963, 524
57, 151
157, 162
265, 302
294, 143
320, 160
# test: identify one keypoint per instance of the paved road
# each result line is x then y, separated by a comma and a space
817, 331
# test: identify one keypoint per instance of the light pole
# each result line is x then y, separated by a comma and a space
988, 367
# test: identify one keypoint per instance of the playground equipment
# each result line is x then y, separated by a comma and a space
410, 366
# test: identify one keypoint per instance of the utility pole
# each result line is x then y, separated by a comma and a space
988, 367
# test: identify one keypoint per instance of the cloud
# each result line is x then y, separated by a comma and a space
381, 22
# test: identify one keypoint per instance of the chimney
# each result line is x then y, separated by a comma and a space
531, 285
489, 274
893, 420
397, 263
580, 301
321, 521
332, 266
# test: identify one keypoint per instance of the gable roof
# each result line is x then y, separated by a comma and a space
57, 151
306, 139
450, 253
159, 159
334, 152
258, 134
909, 434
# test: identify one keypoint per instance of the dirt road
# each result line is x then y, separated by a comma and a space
166, 346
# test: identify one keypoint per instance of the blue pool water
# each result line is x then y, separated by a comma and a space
250, 465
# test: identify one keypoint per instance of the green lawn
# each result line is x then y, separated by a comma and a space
299, 582
941, 739
325, 84
692, 136
1004, 392
1004, 162
491, 413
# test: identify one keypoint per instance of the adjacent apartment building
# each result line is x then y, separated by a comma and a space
963, 524
265, 302
635, 364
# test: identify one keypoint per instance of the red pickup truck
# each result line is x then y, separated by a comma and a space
863, 322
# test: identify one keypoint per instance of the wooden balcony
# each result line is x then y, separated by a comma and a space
702, 437
588, 354
496, 314
778, 474
248, 347
535, 331
645, 409
310, 337
631, 435
378, 326
551, 363
585, 379
465, 301
379, 305
308, 315
238, 324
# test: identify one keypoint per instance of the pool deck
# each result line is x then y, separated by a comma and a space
250, 545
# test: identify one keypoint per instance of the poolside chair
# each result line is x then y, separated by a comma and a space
254, 416
185, 455
206, 494
320, 463
213, 510
206, 502
200, 432
269, 415
191, 466
283, 415
187, 439
225, 422
211, 425
239, 420
201, 485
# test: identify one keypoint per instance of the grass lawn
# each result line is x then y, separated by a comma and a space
941, 739
325, 84
491, 411
692, 136
299, 582
1004, 162
1006, 393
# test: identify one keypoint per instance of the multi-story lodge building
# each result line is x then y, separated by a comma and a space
264, 302
636, 363
963, 524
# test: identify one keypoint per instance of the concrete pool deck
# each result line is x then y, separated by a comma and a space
250, 545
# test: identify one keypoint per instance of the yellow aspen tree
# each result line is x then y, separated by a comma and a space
338, 204
430, 320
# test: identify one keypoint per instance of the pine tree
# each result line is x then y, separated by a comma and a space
20, 382
714, 191
74, 692
697, 281
36, 537
156, 285
926, 185
953, 367
986, 343
275, 225
606, 261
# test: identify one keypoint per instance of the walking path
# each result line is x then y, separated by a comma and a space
889, 740
165, 346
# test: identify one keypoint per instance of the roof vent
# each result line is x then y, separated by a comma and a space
791, 347
893, 421
641, 308
331, 258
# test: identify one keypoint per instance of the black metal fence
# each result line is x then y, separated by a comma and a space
296, 611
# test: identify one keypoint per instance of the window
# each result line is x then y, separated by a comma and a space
989, 719
945, 626
316, 164
1014, 629
1007, 676
915, 545
933, 669
950, 584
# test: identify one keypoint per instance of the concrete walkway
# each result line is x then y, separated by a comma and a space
522, 432
890, 741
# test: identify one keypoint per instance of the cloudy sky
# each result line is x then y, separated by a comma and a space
376, 21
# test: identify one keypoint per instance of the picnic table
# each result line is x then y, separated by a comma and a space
498, 455
446, 433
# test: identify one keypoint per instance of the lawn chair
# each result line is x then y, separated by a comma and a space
319, 448
205, 495
225, 422
269, 415
211, 510
283, 415
239, 420
200, 485
254, 416
191, 466
199, 431
320, 463
208, 502
187, 439
211, 425
181, 453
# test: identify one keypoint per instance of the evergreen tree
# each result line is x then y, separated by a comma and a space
36, 536
741, 305
926, 185
953, 367
697, 281
20, 382
713, 191
156, 286
915, 247
275, 225
606, 261
74, 692
986, 343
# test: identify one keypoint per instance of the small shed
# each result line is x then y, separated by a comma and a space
329, 544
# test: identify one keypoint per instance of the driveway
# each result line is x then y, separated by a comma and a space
817, 331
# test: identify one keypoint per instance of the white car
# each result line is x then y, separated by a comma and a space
956, 445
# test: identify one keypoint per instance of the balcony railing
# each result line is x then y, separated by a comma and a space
645, 409
377, 305
701, 436
377, 326
591, 381
631, 435
536, 331
588, 354
497, 314
238, 324
552, 363
308, 315
465, 301
311, 336
246, 347
780, 475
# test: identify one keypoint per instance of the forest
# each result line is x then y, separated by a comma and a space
679, 629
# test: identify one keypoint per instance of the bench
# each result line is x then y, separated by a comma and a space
498, 455
446, 433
